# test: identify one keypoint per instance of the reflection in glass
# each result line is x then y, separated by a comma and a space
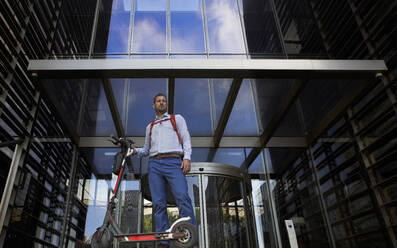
260, 28
269, 93
225, 211
262, 213
66, 94
150, 27
220, 90
242, 121
97, 119
230, 156
187, 28
224, 27
113, 27
139, 106
192, 101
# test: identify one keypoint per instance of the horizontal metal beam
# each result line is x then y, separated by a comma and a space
205, 68
207, 142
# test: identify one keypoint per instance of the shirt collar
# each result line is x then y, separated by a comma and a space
165, 115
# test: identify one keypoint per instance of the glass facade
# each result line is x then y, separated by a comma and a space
323, 157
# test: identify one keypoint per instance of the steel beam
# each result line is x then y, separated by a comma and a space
171, 94
284, 106
210, 68
206, 142
113, 107
227, 109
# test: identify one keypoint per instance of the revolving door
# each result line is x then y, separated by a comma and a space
221, 198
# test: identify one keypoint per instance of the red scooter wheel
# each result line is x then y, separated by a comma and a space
190, 235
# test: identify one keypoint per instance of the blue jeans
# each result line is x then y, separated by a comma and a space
161, 172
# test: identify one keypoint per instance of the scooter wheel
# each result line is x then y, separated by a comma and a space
102, 238
190, 238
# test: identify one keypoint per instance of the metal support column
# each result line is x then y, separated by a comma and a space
69, 197
321, 199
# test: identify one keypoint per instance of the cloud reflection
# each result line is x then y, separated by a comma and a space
224, 26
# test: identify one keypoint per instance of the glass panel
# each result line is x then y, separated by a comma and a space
219, 90
260, 28
226, 218
140, 99
319, 96
300, 29
192, 101
187, 28
66, 95
263, 217
224, 27
73, 30
269, 93
231, 156
119, 90
291, 125
296, 196
97, 119
150, 26
242, 120
113, 27
257, 167
200, 154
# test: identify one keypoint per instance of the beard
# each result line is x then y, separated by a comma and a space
161, 110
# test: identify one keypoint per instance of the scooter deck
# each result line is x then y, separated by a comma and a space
142, 237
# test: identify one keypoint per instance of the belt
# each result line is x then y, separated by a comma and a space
167, 155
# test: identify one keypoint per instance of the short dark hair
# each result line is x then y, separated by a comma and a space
159, 94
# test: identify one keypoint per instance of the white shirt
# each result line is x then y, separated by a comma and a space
165, 140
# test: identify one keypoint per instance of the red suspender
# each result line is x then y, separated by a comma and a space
173, 122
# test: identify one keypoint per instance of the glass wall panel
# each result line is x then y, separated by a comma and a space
120, 90
112, 36
72, 36
300, 29
243, 120
291, 125
219, 90
37, 210
226, 217
66, 95
231, 156
187, 27
262, 211
224, 27
320, 96
257, 167
140, 113
260, 29
296, 196
192, 101
97, 119
150, 27
269, 93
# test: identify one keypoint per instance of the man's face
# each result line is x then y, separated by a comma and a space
160, 105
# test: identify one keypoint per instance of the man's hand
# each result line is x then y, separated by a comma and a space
185, 166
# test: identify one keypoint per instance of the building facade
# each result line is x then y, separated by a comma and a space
318, 146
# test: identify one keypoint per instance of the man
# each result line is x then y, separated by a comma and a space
168, 145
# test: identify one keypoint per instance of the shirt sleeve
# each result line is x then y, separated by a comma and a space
144, 151
185, 136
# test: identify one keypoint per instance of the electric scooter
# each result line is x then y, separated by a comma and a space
181, 234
